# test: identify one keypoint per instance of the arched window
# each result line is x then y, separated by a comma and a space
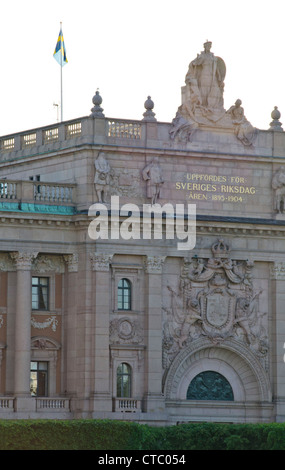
210, 385
124, 381
124, 294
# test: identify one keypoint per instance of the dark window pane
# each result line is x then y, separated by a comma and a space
40, 293
124, 295
39, 379
124, 381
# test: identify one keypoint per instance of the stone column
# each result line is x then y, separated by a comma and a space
154, 401
101, 280
23, 262
70, 325
278, 337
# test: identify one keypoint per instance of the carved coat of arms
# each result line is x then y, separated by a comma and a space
216, 299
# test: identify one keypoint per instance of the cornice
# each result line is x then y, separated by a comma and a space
256, 228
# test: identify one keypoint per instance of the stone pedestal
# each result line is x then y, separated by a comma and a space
25, 404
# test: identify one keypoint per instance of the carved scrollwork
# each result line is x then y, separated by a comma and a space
154, 264
216, 299
48, 263
125, 331
23, 260
100, 261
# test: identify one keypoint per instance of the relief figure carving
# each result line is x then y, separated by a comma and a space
278, 185
102, 177
153, 176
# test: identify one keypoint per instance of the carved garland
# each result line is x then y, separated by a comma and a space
52, 321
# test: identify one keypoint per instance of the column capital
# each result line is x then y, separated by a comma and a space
72, 262
154, 264
100, 261
23, 259
277, 270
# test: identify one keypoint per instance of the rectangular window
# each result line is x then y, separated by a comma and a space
40, 293
39, 379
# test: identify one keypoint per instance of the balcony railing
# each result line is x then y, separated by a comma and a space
53, 404
50, 192
8, 189
6, 404
36, 196
131, 405
42, 404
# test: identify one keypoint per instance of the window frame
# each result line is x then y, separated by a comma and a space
121, 290
38, 286
120, 377
39, 371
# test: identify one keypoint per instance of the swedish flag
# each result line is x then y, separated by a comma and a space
60, 52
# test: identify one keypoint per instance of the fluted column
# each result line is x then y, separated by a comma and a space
23, 262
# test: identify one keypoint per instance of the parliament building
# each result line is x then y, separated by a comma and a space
98, 320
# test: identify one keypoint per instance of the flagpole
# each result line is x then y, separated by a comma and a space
61, 91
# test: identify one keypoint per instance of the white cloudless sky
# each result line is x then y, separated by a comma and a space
129, 49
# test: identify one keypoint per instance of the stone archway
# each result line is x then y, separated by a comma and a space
240, 367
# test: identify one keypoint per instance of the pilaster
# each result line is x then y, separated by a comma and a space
102, 398
278, 299
153, 401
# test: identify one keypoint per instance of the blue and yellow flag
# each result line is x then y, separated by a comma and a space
60, 52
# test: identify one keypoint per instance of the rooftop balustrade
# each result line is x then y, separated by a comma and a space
85, 130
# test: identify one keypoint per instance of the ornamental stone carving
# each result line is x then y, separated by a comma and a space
243, 130
203, 102
49, 322
44, 343
277, 270
152, 174
48, 263
278, 186
23, 260
6, 262
126, 182
100, 261
102, 177
72, 262
154, 264
215, 298
125, 331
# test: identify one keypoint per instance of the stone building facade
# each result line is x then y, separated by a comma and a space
136, 328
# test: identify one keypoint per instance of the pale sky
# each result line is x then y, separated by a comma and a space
130, 49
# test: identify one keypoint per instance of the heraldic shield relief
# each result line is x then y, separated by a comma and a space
215, 299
